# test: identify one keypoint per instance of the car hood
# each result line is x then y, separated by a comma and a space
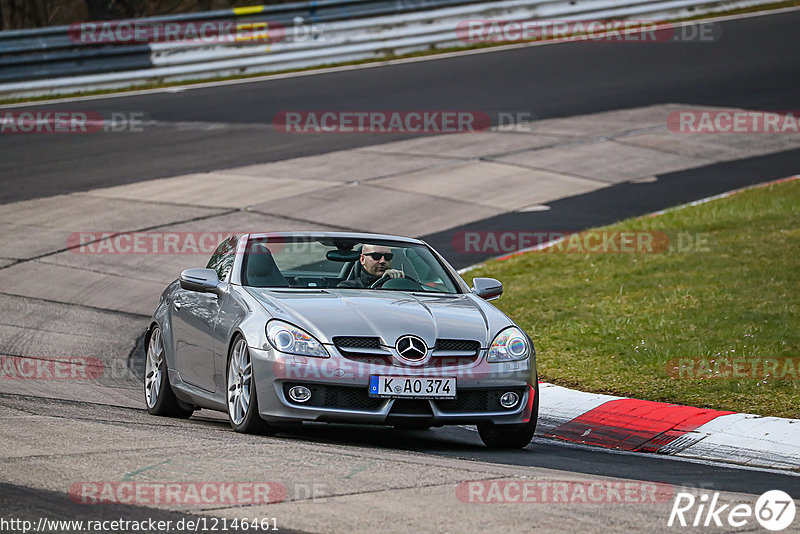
327, 313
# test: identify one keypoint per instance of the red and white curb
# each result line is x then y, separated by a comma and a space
659, 427
663, 428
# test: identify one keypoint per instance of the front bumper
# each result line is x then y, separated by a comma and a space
339, 389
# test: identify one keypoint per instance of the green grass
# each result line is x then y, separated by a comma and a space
388, 57
610, 323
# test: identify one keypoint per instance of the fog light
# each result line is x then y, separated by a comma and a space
509, 399
299, 394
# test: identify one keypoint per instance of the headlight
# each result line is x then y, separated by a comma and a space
292, 340
508, 346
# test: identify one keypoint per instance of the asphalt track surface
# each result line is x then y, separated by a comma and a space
454, 442
755, 65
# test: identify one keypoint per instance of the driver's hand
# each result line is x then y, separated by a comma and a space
394, 273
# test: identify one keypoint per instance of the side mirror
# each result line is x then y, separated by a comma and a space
487, 288
201, 280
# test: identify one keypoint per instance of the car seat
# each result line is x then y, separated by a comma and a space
261, 270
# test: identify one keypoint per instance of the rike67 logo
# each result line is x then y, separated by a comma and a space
773, 510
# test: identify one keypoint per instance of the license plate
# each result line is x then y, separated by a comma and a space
391, 387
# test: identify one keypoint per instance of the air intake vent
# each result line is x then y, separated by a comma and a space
417, 407
352, 342
476, 401
458, 345
337, 397
363, 349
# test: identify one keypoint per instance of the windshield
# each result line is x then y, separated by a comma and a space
317, 262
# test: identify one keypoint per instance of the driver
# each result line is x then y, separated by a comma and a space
376, 262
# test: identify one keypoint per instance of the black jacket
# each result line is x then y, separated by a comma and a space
363, 281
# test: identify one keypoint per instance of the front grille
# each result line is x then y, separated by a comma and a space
369, 350
362, 349
336, 397
477, 400
357, 342
455, 352
460, 345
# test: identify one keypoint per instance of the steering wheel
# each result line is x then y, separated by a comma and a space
385, 278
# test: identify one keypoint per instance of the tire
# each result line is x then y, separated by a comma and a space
241, 397
158, 395
511, 436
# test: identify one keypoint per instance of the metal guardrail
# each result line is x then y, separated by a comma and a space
47, 61
51, 52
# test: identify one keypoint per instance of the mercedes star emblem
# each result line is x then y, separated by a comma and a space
411, 348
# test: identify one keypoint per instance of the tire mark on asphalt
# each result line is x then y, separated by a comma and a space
109, 236
132, 315
304, 221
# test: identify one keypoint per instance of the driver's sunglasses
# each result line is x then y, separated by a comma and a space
378, 255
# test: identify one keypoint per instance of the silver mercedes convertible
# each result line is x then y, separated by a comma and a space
340, 327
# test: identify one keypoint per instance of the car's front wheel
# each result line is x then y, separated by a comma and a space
241, 394
511, 436
158, 394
